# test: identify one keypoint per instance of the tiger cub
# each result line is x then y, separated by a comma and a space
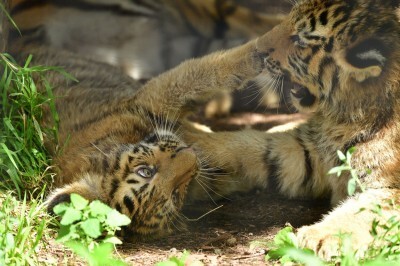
343, 58
120, 141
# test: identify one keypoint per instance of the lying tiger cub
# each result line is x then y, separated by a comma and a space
121, 143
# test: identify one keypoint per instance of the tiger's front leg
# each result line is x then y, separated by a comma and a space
251, 159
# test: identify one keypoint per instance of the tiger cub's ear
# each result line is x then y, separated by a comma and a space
366, 59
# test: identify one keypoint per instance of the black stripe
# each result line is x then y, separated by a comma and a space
221, 26
293, 64
118, 207
329, 46
105, 164
334, 83
326, 61
127, 172
114, 187
344, 19
323, 18
118, 159
151, 194
132, 181
312, 22
81, 5
312, 37
315, 48
143, 188
307, 160
28, 5
274, 170
129, 204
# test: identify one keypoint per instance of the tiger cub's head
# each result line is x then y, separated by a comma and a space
146, 181
337, 53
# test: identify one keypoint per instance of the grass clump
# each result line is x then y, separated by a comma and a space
22, 226
25, 174
24, 161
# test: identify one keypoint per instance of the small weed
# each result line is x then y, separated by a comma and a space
83, 223
285, 249
346, 166
386, 233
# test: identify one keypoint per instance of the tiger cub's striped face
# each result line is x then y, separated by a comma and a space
150, 182
334, 51
146, 181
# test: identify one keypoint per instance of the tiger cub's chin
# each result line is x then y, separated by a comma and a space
146, 181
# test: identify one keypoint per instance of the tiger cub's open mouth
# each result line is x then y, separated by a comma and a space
303, 95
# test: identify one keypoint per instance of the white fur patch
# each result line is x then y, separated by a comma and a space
372, 54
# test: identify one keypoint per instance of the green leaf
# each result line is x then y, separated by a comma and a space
341, 156
70, 216
102, 254
67, 233
305, 256
351, 187
116, 219
78, 201
99, 208
285, 238
60, 208
113, 240
91, 227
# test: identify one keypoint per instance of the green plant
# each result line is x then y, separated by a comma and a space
22, 226
386, 233
346, 166
83, 223
285, 249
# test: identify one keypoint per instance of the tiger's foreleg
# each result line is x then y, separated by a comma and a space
253, 159
179, 90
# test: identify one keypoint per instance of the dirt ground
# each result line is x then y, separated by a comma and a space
228, 235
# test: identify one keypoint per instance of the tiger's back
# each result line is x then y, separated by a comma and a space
143, 38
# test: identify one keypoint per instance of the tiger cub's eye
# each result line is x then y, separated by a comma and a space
145, 172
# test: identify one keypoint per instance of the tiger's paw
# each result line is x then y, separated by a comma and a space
327, 240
